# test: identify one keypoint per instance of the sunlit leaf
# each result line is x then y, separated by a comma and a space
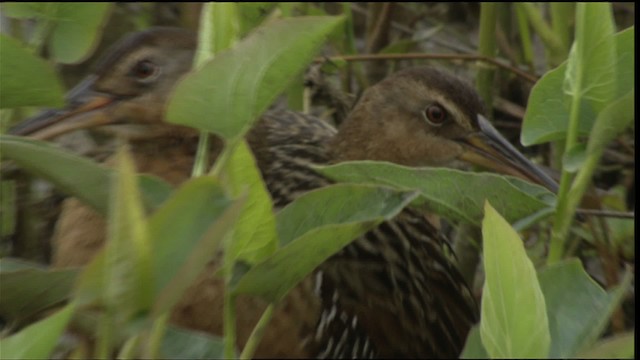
514, 317
547, 115
590, 71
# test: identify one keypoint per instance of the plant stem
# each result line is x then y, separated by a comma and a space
484, 81
550, 39
229, 321
256, 334
156, 335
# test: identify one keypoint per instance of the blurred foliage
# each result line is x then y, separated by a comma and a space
161, 238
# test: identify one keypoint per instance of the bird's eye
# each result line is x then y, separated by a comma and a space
436, 115
145, 70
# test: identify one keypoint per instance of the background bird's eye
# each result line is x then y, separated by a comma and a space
144, 70
435, 114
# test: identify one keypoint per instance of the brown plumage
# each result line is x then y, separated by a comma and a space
394, 292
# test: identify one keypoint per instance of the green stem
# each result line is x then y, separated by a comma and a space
155, 337
564, 214
257, 333
525, 37
552, 42
229, 322
484, 82
129, 348
561, 14
105, 336
202, 155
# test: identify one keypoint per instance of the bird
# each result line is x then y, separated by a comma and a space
393, 292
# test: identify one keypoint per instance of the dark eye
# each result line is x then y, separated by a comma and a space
145, 70
435, 114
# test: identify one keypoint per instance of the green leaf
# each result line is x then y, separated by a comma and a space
200, 255
252, 75
578, 309
26, 80
77, 30
181, 343
451, 193
611, 121
254, 238
591, 72
37, 341
29, 288
616, 347
514, 317
573, 159
473, 348
625, 66
182, 222
62, 168
128, 252
547, 115
322, 221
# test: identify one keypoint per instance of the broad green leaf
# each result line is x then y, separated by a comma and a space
182, 222
616, 347
454, 194
28, 288
181, 343
611, 121
37, 341
547, 115
591, 72
254, 238
324, 228
201, 254
338, 204
62, 168
228, 93
514, 317
473, 348
128, 251
625, 66
26, 80
77, 30
578, 309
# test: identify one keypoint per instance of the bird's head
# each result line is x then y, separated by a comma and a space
426, 117
127, 91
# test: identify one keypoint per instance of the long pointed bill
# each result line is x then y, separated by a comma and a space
85, 109
489, 149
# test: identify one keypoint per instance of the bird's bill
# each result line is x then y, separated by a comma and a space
489, 149
86, 109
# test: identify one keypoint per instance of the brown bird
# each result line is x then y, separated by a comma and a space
394, 292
